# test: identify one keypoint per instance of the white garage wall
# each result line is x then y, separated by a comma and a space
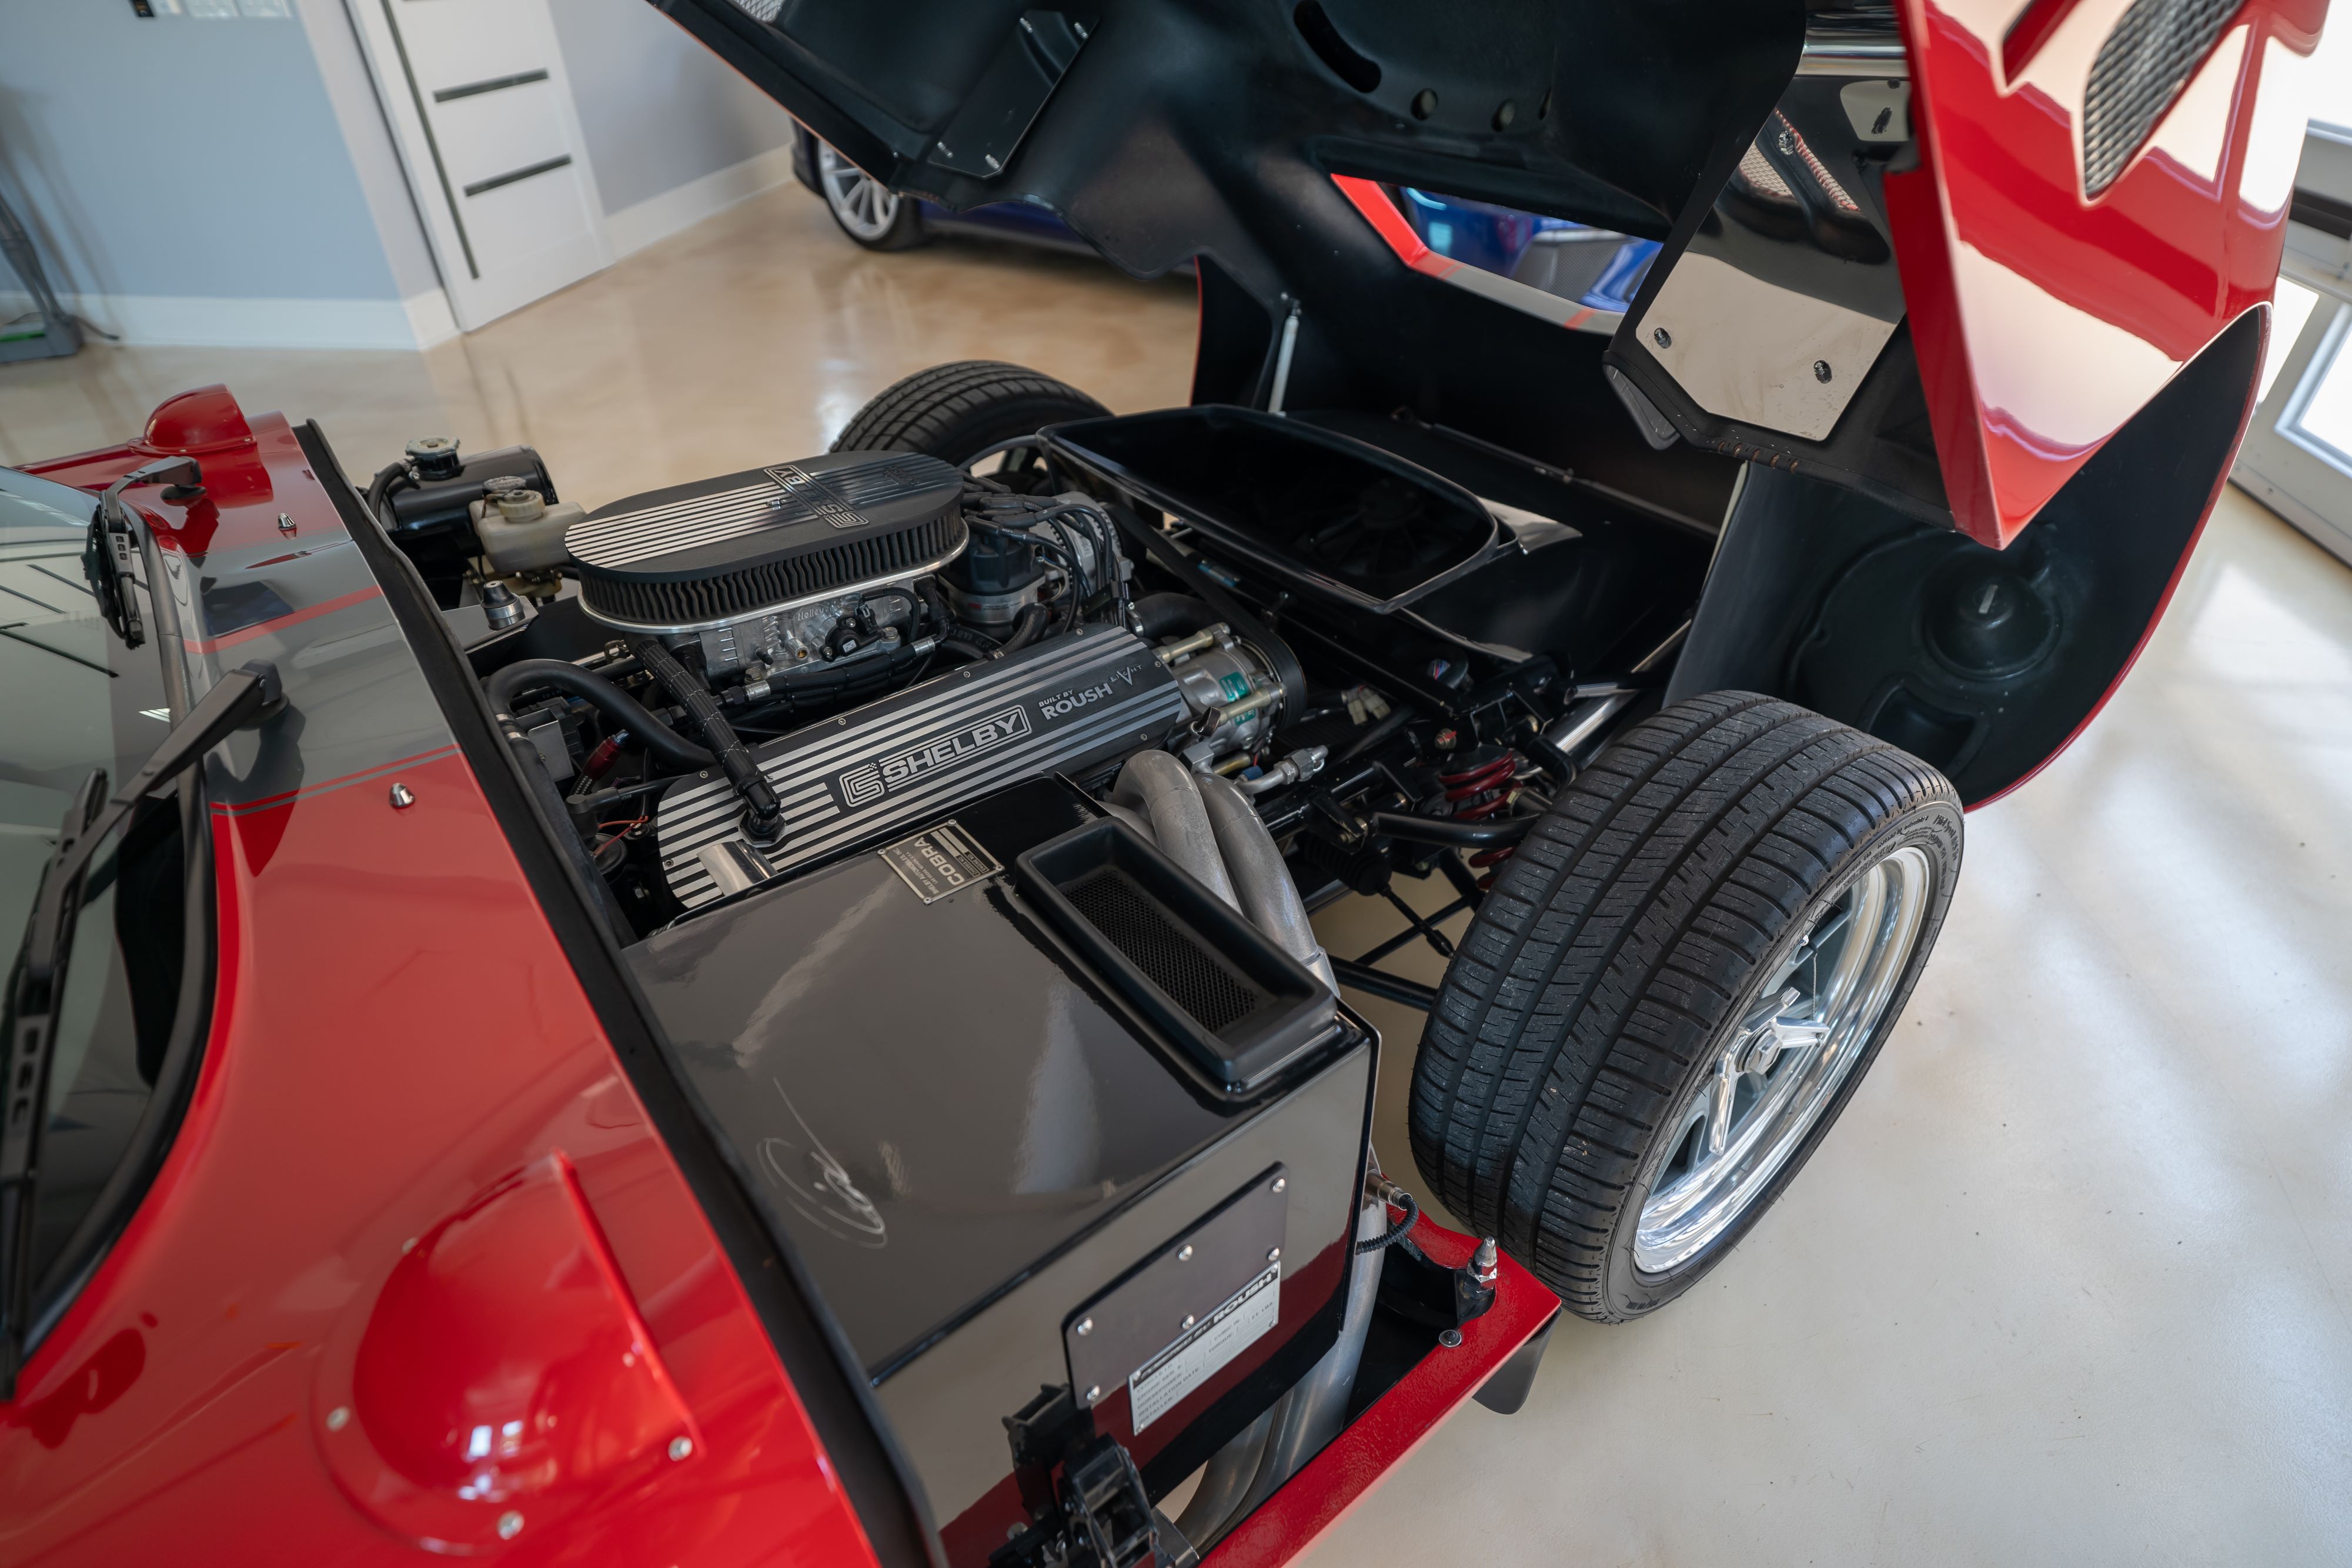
232, 183
673, 134
187, 180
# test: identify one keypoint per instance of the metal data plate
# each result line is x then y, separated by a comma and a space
1164, 1320
940, 861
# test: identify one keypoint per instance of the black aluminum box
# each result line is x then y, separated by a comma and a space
997, 1170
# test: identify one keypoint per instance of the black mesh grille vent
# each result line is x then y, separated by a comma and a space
755, 588
2140, 69
1194, 978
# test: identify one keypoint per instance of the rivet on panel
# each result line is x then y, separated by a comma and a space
681, 1446
1184, 1253
402, 797
1085, 1327
339, 1418
510, 1525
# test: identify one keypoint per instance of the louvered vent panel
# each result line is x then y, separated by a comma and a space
2140, 71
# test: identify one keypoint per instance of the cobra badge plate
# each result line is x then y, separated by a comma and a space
1062, 706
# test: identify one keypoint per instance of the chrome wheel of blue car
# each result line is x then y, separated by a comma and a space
867, 211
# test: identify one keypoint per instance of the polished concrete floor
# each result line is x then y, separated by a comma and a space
2069, 1283
749, 339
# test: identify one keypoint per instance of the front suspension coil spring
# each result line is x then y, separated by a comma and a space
1477, 790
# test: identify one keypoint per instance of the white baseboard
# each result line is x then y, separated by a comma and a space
681, 207
430, 319
181, 321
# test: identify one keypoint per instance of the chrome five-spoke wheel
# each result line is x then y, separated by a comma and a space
1782, 1066
1674, 988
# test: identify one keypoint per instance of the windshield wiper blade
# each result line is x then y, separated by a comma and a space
117, 540
38, 987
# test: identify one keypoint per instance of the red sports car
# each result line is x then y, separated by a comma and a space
775, 1019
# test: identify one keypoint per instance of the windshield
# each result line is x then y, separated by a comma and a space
73, 699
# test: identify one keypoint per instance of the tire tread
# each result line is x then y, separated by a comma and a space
1611, 950
928, 411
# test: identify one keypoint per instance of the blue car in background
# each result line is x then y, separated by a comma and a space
1597, 268
880, 219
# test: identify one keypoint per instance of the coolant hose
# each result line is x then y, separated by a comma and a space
553, 675
1161, 788
1268, 896
764, 818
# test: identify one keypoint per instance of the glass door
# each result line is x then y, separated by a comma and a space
2297, 459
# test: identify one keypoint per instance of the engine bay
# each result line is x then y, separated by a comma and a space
961, 826
730, 681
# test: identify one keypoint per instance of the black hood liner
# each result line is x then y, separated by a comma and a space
1162, 130
1181, 128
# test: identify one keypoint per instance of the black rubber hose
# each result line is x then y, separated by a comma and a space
1449, 833
764, 818
863, 677
388, 478
962, 651
935, 606
1026, 629
671, 747
1396, 1233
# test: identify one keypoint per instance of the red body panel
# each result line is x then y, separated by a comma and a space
2044, 316
395, 1034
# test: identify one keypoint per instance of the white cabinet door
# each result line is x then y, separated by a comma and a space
483, 113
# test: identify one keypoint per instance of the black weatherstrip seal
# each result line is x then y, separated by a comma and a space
825, 1371
2326, 213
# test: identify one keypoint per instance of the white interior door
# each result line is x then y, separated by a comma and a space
482, 110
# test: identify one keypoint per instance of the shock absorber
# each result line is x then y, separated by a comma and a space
1476, 789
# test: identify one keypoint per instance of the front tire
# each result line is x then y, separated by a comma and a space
1673, 989
962, 412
